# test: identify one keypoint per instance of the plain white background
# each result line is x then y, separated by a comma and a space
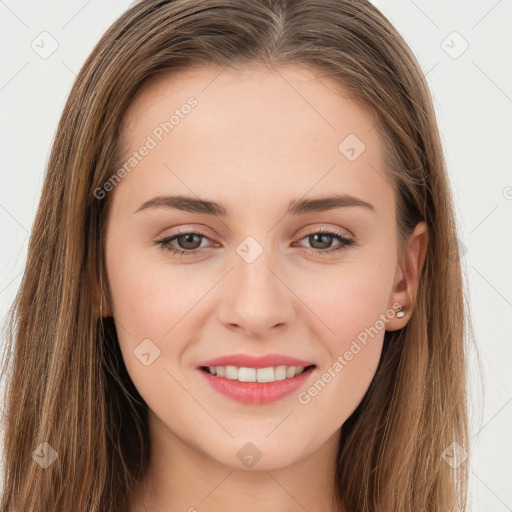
464, 49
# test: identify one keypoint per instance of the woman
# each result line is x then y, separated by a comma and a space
243, 288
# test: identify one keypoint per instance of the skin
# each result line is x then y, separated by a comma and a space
289, 301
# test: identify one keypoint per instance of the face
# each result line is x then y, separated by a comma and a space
267, 270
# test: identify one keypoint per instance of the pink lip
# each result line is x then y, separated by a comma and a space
247, 361
257, 392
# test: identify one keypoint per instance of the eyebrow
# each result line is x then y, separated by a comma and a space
297, 207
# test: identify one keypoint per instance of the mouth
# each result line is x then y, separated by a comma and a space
258, 386
261, 375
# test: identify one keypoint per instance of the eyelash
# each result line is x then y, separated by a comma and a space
344, 242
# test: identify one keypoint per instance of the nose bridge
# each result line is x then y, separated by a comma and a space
257, 298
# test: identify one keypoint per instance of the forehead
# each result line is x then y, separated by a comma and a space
285, 129
296, 91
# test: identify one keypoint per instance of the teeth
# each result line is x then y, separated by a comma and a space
246, 374
265, 374
231, 372
243, 374
280, 372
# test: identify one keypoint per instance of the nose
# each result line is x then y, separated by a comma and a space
257, 300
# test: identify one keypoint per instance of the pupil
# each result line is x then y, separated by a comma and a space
326, 243
189, 240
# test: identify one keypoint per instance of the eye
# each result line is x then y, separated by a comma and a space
323, 238
188, 243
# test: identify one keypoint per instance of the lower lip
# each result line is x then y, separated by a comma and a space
257, 392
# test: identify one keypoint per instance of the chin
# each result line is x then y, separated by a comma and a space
259, 454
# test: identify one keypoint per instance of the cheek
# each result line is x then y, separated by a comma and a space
349, 300
352, 302
156, 300
149, 296
150, 302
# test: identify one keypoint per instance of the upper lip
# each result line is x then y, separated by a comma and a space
248, 361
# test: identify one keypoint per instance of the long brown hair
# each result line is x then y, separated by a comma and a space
68, 385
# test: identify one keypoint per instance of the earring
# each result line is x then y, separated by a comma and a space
400, 313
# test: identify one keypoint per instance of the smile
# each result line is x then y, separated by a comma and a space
256, 385
244, 374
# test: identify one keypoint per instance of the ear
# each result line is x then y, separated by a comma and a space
407, 276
